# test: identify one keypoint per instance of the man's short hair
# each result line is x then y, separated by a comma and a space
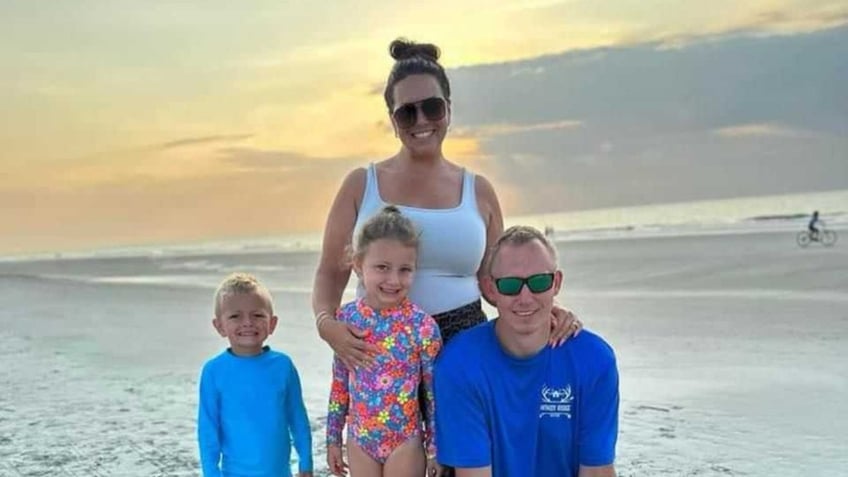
241, 283
519, 235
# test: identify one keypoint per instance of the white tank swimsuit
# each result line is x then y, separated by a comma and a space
452, 245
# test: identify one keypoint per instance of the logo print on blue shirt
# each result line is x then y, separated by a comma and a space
556, 402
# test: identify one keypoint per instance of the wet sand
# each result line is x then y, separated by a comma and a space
731, 351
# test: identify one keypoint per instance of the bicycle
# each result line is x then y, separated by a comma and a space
824, 236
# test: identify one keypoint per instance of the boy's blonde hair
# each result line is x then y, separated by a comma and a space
241, 283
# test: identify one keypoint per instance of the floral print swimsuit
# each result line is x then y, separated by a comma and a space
382, 403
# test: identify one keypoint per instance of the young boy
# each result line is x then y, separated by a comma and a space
250, 407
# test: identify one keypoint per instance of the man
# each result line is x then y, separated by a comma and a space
509, 405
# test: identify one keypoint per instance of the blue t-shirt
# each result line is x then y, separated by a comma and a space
250, 411
538, 416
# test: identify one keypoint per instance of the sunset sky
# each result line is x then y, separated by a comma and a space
126, 122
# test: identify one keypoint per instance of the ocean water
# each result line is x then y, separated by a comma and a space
731, 343
743, 215
776, 212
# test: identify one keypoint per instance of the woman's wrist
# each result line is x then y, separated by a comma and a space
321, 319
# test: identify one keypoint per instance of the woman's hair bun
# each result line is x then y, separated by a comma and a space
402, 49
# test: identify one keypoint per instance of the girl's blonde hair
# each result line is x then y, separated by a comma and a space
389, 223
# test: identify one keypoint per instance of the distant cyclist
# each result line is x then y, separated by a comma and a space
814, 220
816, 232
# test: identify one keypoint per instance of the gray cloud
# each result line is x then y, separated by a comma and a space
733, 116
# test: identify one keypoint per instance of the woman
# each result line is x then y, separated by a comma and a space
456, 211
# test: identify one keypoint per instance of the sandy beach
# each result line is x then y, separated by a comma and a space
731, 350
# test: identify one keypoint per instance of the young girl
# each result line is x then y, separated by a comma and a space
381, 403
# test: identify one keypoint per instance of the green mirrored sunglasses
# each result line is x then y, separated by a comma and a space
538, 283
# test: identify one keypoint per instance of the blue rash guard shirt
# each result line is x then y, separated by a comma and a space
250, 411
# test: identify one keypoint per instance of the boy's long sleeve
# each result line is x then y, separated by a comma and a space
299, 422
250, 415
339, 402
208, 425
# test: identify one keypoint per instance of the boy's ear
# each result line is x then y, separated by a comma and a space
218, 326
272, 324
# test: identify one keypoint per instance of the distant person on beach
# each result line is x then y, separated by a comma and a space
380, 403
814, 221
251, 406
456, 212
522, 407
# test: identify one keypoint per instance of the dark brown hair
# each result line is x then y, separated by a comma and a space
414, 59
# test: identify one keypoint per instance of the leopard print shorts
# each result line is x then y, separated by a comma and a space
459, 319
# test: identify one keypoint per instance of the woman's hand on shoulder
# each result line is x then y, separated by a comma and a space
564, 325
348, 342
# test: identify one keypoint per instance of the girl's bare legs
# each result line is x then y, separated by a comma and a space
360, 463
408, 460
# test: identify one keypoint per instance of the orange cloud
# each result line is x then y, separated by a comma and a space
246, 202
